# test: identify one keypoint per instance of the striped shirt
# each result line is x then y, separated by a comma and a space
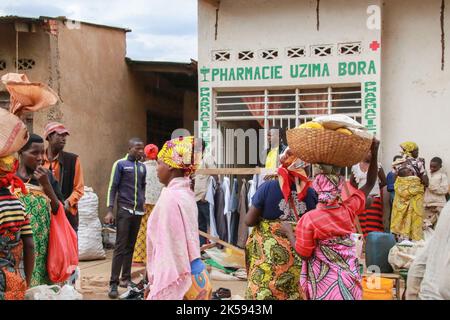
13, 217
322, 223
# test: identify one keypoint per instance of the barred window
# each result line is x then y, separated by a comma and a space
300, 104
26, 64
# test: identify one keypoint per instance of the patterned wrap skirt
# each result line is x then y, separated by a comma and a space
140, 253
273, 266
332, 272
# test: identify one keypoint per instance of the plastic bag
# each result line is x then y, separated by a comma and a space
359, 243
62, 257
227, 257
335, 121
402, 255
54, 292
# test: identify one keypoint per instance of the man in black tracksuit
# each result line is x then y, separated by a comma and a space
128, 184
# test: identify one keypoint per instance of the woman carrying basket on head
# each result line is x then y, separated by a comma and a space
330, 269
273, 266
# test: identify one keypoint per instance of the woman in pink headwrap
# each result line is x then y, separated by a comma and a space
330, 269
152, 191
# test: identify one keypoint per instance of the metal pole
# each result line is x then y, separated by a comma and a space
17, 51
329, 100
297, 107
266, 114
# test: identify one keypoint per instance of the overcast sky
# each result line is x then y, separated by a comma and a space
162, 30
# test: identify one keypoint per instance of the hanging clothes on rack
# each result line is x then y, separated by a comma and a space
242, 210
227, 212
234, 221
210, 193
219, 212
251, 191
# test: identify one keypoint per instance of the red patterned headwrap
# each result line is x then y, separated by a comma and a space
8, 168
292, 171
151, 151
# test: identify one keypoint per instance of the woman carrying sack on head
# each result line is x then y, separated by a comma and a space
273, 266
322, 238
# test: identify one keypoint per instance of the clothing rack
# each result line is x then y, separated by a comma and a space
232, 174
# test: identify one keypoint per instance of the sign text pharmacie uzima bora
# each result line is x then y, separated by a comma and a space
306, 70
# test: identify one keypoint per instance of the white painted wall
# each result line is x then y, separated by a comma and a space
263, 24
415, 92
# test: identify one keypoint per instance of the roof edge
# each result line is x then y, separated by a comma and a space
12, 18
162, 66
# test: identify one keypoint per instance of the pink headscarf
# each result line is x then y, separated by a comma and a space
329, 188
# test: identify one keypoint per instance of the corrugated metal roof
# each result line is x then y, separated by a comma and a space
189, 68
10, 19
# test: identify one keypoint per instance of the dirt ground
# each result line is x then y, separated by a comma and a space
95, 280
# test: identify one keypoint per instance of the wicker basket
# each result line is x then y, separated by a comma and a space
327, 146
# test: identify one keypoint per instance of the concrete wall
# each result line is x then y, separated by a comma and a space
415, 91
102, 102
281, 25
257, 25
190, 110
32, 45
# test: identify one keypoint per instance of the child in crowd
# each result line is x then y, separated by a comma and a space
434, 199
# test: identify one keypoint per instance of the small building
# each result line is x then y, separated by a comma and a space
284, 62
105, 99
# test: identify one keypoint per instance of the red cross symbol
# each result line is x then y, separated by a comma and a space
374, 45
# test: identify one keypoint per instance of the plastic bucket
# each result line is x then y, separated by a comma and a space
377, 288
